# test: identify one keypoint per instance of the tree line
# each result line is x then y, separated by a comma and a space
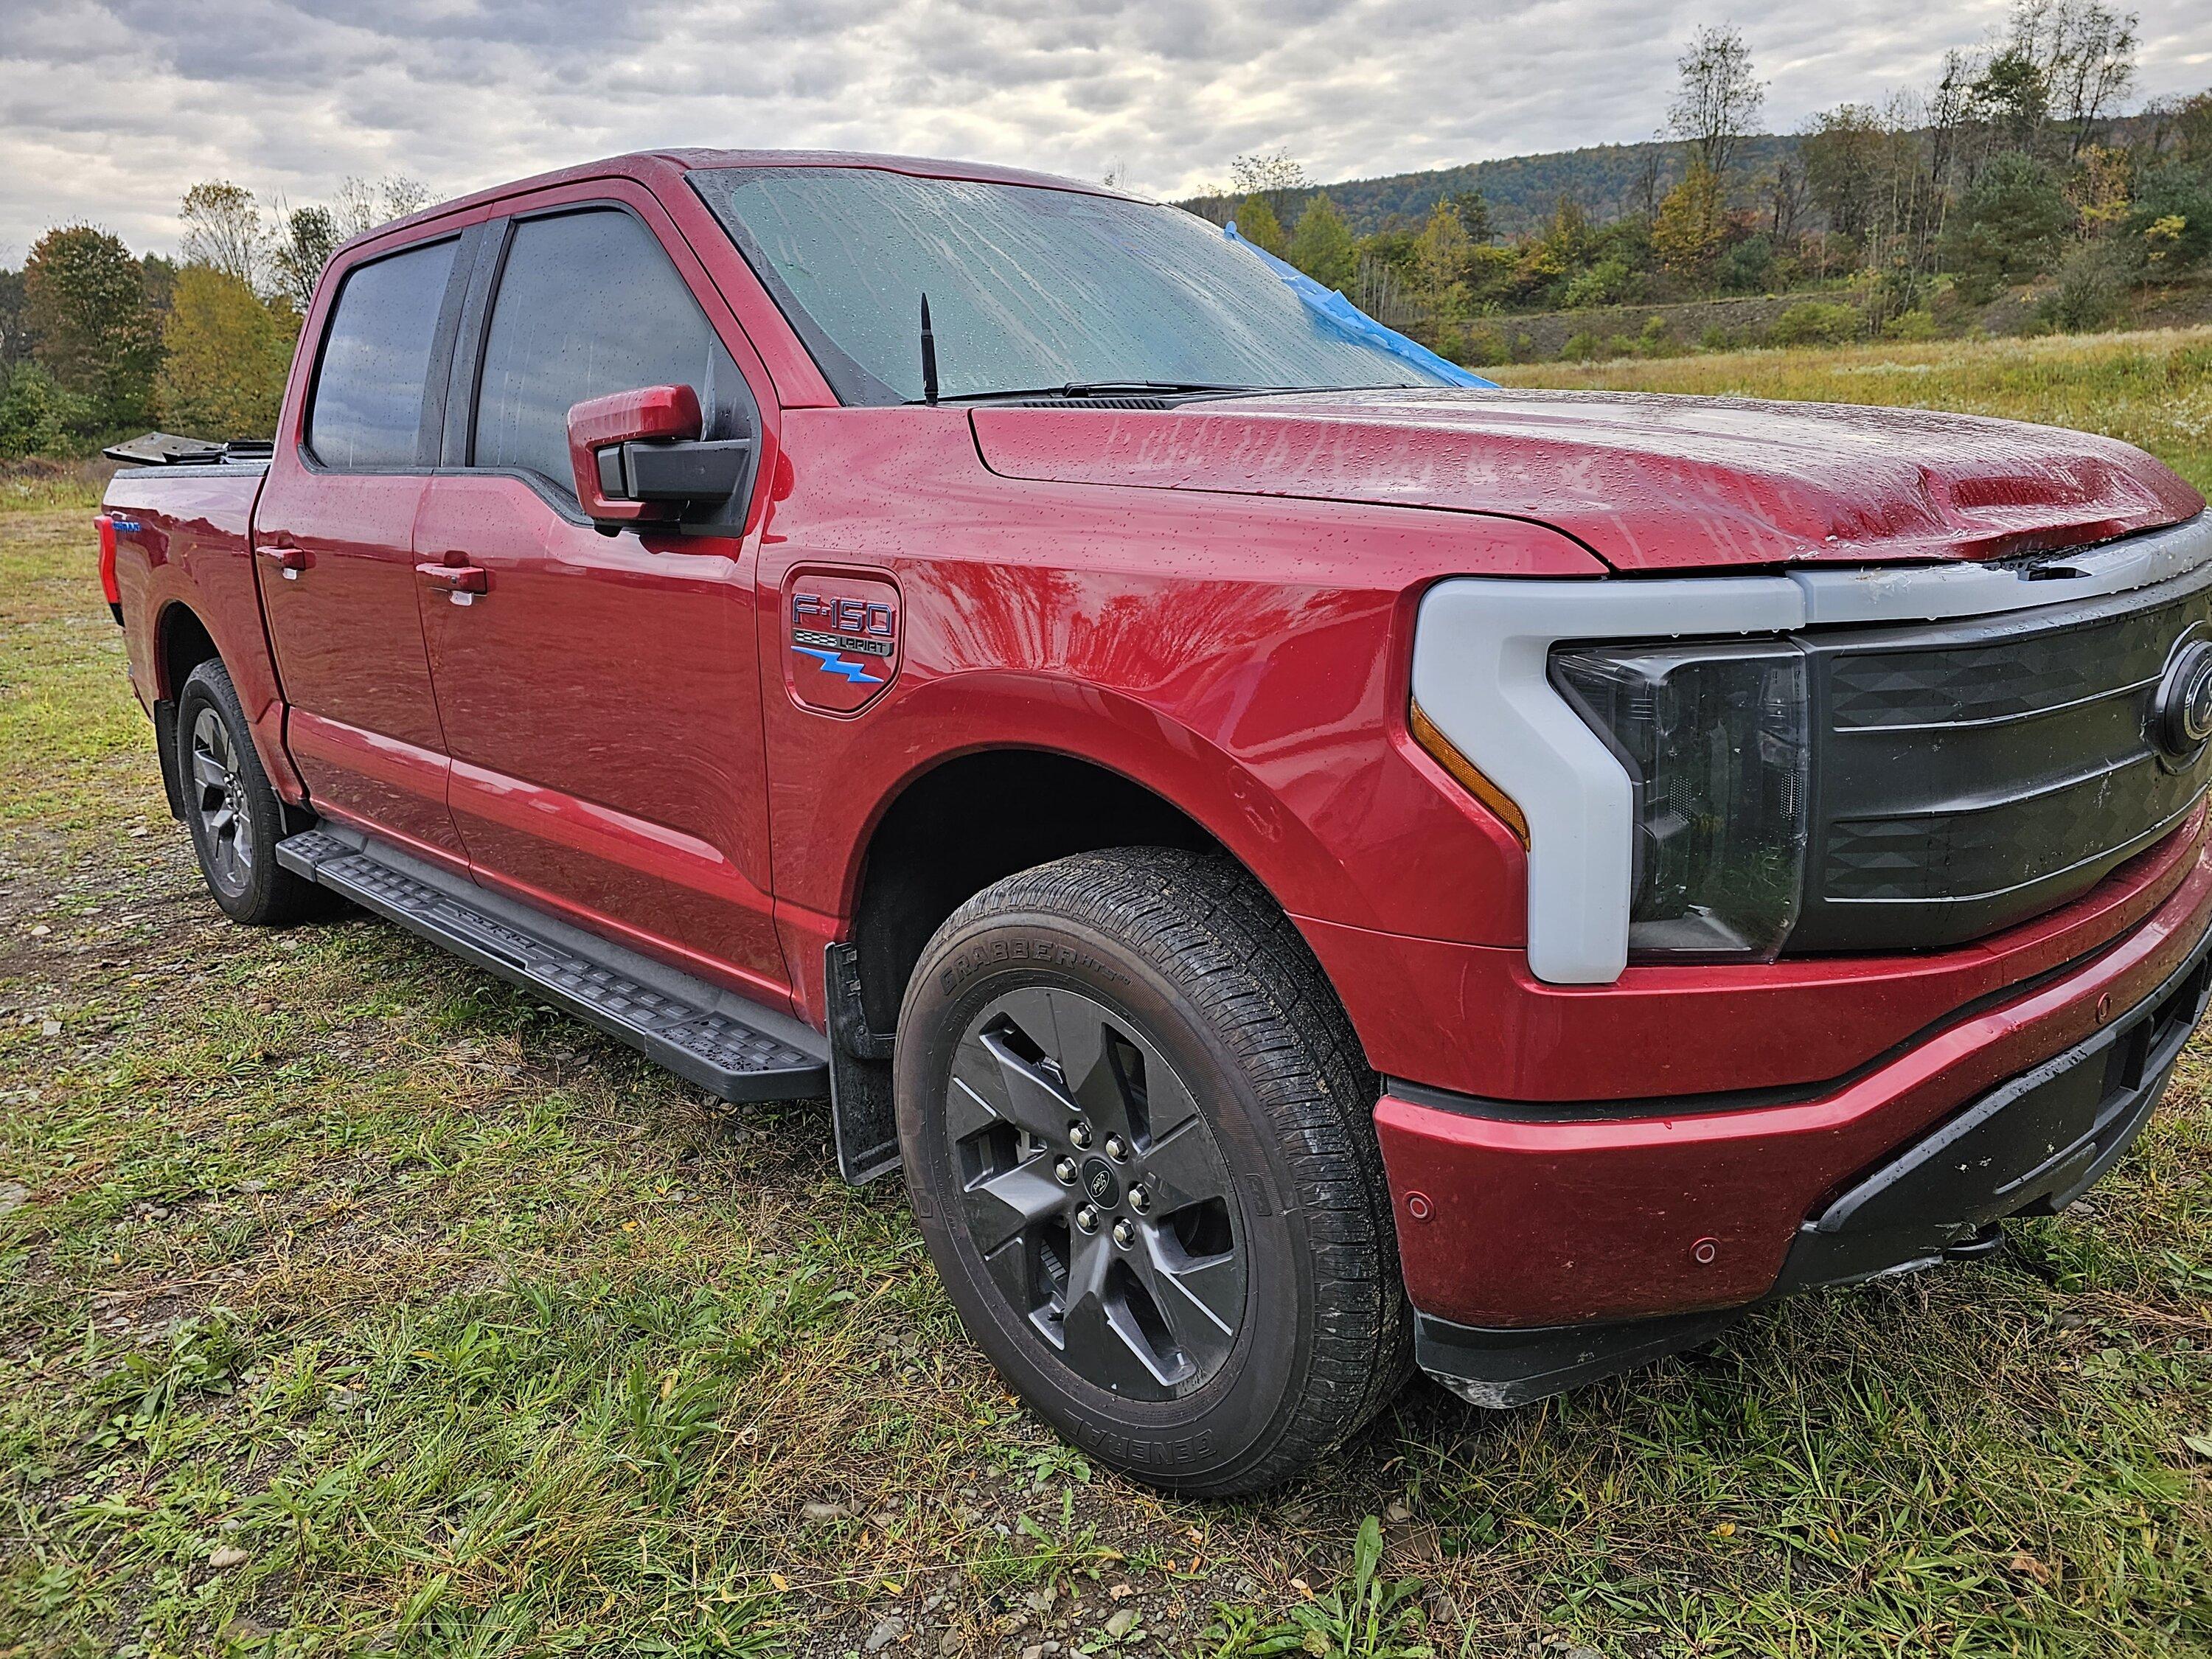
2016, 164
96, 341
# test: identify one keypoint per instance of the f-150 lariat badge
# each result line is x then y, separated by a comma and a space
844, 639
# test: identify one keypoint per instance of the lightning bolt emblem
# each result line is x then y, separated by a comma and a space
834, 662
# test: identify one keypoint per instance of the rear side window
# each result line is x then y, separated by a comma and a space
588, 303
367, 410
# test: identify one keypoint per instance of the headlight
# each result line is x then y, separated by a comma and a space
1713, 737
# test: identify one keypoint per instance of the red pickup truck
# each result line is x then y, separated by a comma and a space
1307, 865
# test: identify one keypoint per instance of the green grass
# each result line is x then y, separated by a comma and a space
2153, 389
357, 1304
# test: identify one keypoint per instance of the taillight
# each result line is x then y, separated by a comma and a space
108, 590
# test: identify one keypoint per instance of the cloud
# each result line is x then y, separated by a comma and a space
109, 111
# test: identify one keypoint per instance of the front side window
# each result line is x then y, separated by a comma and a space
368, 406
1031, 289
588, 303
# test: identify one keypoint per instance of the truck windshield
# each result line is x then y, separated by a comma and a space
1031, 289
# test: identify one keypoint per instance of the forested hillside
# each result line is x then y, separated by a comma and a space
1608, 181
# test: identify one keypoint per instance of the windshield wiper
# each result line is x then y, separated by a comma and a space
1076, 390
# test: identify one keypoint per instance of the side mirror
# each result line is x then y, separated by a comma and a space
638, 458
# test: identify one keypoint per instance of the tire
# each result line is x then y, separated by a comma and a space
233, 814
1231, 1310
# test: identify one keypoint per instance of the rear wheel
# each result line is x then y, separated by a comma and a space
1136, 1126
230, 807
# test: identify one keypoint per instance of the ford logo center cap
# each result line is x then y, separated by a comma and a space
2181, 714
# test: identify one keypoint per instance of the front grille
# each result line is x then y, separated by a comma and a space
1970, 775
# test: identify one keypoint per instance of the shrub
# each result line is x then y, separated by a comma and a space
2170, 220
1484, 346
1816, 322
1582, 346
1604, 284
1918, 324
1657, 339
2092, 285
37, 416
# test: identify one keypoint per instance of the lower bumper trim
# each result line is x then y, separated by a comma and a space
2029, 1146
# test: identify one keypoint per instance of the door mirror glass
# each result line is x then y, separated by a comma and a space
639, 459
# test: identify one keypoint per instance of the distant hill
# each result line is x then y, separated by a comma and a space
1606, 179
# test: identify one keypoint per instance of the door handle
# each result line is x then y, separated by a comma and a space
290, 559
457, 579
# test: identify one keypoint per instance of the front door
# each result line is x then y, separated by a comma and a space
599, 698
333, 534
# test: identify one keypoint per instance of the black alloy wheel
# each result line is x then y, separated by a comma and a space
1094, 1192
222, 813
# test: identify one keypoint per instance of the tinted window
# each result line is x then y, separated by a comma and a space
369, 395
587, 304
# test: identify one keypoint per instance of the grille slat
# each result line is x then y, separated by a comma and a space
1971, 774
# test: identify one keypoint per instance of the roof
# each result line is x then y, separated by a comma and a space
648, 164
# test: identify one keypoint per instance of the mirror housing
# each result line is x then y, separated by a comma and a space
639, 459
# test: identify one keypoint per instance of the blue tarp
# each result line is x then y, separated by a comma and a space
1339, 316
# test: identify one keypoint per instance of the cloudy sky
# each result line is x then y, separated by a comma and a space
108, 111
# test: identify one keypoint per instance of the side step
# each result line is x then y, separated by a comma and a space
729, 1047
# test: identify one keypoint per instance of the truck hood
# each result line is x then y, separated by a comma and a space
1645, 481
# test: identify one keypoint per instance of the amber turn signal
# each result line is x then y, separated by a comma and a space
1466, 774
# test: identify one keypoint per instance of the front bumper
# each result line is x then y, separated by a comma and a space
1540, 1253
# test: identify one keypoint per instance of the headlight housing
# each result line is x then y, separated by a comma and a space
1714, 739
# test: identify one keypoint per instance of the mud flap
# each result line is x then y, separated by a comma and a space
861, 1111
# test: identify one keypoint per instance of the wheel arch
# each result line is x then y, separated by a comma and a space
941, 839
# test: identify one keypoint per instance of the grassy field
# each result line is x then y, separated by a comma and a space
2153, 389
349, 1302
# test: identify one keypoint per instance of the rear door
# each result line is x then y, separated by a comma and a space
334, 537
599, 697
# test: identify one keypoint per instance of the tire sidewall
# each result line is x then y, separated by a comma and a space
1232, 1420
208, 688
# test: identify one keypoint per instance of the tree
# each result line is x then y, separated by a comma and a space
2192, 128
1474, 213
15, 330
228, 352
223, 231
1322, 245
2011, 226
1256, 223
85, 302
1719, 100
310, 237
1440, 259
1692, 225
1844, 155
362, 204
1272, 175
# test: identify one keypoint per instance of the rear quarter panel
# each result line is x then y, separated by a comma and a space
191, 548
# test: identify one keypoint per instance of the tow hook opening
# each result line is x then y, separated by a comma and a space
1986, 1242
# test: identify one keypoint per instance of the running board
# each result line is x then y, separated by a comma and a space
728, 1046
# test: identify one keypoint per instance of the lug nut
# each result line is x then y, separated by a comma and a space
1139, 1200
1065, 1169
1117, 1149
1087, 1218
1125, 1234
1080, 1133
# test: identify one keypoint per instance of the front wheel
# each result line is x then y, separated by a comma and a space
1137, 1128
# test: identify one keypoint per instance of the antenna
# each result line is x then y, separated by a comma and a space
928, 355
